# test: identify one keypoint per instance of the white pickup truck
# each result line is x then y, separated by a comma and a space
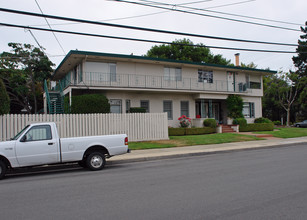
39, 144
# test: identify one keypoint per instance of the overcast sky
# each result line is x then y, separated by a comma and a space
293, 11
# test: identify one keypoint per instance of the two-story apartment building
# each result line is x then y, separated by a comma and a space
197, 90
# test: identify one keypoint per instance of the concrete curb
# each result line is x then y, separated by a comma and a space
200, 153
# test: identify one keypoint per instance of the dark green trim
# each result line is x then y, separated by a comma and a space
156, 59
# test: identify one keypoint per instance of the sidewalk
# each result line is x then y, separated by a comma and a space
177, 152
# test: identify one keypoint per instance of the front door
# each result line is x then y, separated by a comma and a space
216, 111
37, 147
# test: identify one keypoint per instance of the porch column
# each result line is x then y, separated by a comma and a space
202, 108
210, 108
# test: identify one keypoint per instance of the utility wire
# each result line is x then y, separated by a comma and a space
207, 15
143, 40
50, 28
142, 28
224, 13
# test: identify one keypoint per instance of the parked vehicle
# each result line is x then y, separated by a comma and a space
39, 144
302, 124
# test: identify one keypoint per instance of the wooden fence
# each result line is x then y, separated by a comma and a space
138, 126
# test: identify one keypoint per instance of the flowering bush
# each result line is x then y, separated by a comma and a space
184, 121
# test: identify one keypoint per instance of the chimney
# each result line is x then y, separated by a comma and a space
237, 55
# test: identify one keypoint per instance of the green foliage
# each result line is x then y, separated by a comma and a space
23, 71
137, 110
262, 120
4, 99
300, 61
190, 131
93, 103
210, 122
66, 105
176, 131
185, 50
234, 106
276, 122
257, 127
239, 121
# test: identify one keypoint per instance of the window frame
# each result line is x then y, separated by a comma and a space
169, 111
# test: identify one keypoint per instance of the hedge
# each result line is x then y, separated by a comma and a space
92, 103
137, 110
262, 120
210, 122
190, 131
239, 121
257, 127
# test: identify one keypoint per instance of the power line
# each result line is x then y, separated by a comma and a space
143, 40
142, 28
212, 16
224, 13
50, 27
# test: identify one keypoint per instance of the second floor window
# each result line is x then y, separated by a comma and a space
100, 72
205, 76
172, 74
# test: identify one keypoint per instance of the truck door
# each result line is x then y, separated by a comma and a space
37, 147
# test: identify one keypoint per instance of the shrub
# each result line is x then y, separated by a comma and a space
92, 103
234, 106
198, 131
176, 131
239, 121
137, 110
257, 127
4, 99
262, 120
190, 131
276, 122
210, 122
184, 121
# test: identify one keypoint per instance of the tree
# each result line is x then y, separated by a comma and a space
185, 50
4, 100
234, 106
23, 71
300, 61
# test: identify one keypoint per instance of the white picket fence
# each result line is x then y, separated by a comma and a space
138, 126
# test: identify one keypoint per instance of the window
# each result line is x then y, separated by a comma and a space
172, 74
205, 76
168, 107
184, 106
145, 104
38, 133
249, 109
115, 105
128, 105
100, 72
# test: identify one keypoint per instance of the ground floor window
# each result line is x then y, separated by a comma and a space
184, 108
145, 104
115, 105
249, 109
168, 107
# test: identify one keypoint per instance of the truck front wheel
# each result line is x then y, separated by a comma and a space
3, 169
95, 161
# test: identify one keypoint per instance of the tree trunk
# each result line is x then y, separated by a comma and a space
288, 117
33, 91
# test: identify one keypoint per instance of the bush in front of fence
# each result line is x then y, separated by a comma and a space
137, 110
89, 103
190, 131
257, 127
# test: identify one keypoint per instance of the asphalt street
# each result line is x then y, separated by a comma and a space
260, 184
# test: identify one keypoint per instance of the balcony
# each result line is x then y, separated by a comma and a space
152, 82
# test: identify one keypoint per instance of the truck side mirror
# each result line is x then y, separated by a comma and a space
23, 139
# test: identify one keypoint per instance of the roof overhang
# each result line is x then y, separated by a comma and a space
75, 57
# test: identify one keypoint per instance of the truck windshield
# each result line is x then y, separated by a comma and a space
20, 133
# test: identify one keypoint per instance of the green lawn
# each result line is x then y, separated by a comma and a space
188, 140
286, 132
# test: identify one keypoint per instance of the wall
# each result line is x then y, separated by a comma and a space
138, 126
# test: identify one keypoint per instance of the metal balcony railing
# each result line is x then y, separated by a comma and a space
153, 82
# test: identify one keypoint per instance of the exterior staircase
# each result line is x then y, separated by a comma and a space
55, 101
227, 129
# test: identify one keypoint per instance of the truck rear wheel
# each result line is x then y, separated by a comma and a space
3, 169
95, 161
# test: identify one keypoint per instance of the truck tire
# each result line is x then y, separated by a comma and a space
3, 169
95, 161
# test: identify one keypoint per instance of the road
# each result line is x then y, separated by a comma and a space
258, 184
